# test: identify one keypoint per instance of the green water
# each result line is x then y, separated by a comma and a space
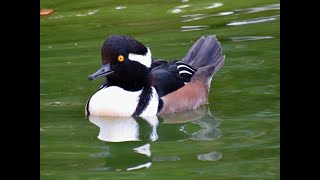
237, 136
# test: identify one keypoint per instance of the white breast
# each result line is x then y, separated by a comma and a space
115, 101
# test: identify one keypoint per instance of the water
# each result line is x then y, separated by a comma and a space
236, 136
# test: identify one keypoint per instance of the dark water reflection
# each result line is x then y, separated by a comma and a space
129, 140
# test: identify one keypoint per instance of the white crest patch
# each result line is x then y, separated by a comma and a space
143, 59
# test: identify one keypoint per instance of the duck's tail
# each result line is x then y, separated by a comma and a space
206, 56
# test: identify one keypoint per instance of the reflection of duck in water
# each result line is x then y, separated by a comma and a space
139, 133
120, 129
136, 132
175, 126
137, 85
130, 155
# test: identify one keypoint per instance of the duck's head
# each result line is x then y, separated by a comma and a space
124, 59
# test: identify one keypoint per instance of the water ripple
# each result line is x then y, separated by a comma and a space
147, 165
212, 156
89, 13
193, 17
178, 8
249, 38
224, 13
165, 158
54, 104
56, 17
192, 28
176, 11
215, 5
253, 21
120, 7
261, 8
183, 6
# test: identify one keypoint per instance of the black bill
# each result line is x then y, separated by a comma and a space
105, 70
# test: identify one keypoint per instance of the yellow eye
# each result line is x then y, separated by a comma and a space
120, 58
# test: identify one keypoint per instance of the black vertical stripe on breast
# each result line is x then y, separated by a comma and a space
144, 98
160, 106
87, 106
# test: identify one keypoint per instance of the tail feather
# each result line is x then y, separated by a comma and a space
190, 56
205, 56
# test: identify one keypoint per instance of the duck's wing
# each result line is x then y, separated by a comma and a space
157, 62
170, 76
165, 77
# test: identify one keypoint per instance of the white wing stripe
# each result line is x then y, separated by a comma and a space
182, 65
180, 72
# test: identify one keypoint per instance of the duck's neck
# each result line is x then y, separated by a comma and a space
133, 85
130, 79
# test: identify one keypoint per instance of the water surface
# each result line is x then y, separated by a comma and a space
236, 136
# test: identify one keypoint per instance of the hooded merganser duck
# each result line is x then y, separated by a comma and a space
137, 85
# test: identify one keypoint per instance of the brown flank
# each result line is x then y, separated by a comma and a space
190, 96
